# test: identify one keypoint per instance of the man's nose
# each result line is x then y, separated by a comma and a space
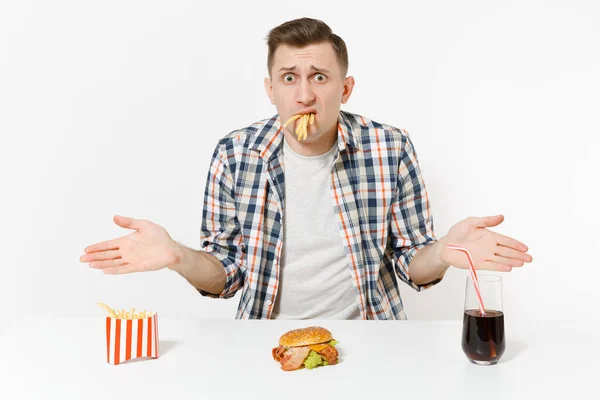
304, 93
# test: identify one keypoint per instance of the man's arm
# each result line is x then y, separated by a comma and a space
427, 265
222, 241
431, 260
214, 270
151, 248
200, 269
411, 230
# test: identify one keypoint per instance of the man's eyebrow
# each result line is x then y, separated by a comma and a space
319, 69
312, 67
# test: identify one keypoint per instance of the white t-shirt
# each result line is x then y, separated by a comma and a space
315, 280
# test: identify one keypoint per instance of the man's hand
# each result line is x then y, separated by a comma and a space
149, 248
489, 250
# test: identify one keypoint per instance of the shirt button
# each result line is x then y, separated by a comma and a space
269, 302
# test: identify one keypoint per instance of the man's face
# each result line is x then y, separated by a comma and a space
308, 79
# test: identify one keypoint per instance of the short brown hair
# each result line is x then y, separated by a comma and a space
303, 32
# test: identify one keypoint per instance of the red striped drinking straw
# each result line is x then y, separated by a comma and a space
473, 274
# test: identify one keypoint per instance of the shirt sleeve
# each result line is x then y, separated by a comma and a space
221, 231
411, 219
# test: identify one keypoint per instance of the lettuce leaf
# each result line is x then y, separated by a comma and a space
313, 360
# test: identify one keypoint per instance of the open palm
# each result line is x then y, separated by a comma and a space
489, 250
149, 248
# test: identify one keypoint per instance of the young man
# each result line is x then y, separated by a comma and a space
314, 212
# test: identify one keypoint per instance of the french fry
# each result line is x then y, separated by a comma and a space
299, 127
110, 311
293, 118
306, 126
123, 314
304, 121
307, 119
302, 134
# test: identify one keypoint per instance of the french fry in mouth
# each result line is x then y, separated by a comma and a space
304, 121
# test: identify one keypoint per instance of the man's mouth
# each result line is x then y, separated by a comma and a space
307, 111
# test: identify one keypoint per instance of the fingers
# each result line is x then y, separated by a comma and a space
512, 253
103, 246
100, 256
487, 222
107, 264
512, 262
511, 243
114, 244
129, 223
493, 266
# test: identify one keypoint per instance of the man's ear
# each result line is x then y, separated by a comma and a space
269, 90
348, 86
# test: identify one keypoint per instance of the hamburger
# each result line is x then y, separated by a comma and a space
306, 347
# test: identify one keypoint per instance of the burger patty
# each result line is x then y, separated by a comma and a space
329, 353
278, 353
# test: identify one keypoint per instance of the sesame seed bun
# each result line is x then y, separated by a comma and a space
305, 337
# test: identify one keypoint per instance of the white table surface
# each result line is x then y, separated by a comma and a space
54, 358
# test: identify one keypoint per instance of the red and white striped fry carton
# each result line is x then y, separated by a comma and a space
127, 339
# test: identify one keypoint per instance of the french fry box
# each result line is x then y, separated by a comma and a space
127, 339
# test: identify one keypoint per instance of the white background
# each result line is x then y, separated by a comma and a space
115, 107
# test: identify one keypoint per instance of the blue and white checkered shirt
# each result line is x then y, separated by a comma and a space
378, 194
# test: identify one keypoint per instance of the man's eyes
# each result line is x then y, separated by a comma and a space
317, 77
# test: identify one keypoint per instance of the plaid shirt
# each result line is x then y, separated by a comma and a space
378, 195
